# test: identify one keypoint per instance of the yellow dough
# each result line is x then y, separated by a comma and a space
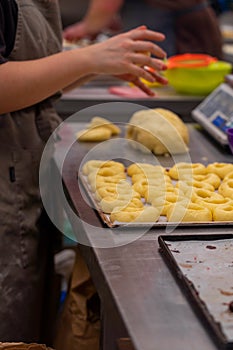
226, 188
159, 191
150, 177
108, 204
223, 212
96, 181
186, 171
103, 168
159, 130
101, 178
99, 129
229, 176
99, 121
213, 203
202, 193
146, 186
210, 178
193, 212
197, 184
92, 165
188, 192
117, 190
162, 203
221, 169
94, 135
186, 188
144, 169
146, 214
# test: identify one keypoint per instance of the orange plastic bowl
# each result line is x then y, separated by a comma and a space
196, 74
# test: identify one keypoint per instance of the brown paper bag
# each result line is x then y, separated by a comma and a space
79, 323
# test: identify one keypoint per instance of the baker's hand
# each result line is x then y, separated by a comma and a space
124, 55
91, 30
137, 82
79, 31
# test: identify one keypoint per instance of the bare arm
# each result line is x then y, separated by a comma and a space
28, 82
98, 16
79, 82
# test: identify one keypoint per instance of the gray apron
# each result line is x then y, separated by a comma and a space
24, 247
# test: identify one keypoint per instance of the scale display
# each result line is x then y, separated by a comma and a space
215, 113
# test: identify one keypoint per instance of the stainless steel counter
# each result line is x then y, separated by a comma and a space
97, 92
140, 298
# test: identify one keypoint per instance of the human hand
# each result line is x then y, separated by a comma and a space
124, 56
79, 31
83, 29
137, 82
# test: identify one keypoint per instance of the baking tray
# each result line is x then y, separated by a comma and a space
161, 223
215, 321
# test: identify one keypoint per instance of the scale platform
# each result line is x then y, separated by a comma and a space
215, 113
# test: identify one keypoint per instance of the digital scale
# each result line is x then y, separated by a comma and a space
215, 113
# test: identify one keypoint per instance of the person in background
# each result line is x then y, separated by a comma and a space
187, 24
33, 72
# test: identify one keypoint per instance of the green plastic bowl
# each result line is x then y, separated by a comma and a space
198, 80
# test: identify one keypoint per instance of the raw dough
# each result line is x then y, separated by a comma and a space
159, 130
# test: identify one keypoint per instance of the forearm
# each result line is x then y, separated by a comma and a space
100, 12
29, 82
79, 82
25, 83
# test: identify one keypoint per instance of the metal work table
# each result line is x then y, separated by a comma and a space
97, 92
143, 307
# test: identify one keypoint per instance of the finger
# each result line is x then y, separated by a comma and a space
148, 47
137, 82
140, 72
159, 78
148, 74
141, 27
146, 34
144, 60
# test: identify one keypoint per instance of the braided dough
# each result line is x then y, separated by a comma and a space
99, 129
108, 204
151, 191
221, 169
209, 178
226, 188
193, 212
186, 171
223, 212
213, 202
144, 169
146, 214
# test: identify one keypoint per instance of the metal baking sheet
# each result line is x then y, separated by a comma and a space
160, 223
203, 267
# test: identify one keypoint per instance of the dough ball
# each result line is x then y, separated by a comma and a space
159, 130
94, 135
